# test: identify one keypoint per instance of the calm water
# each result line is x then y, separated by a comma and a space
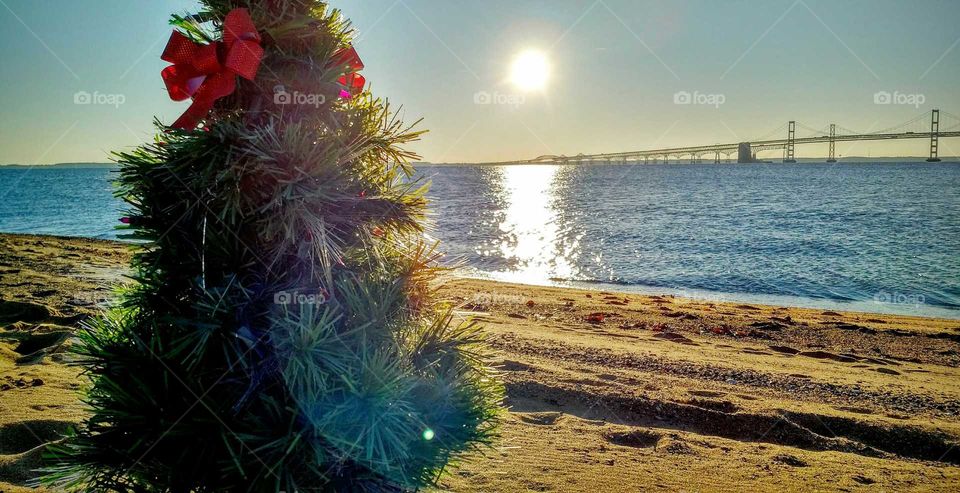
59, 201
872, 237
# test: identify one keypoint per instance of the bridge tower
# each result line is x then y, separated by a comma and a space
791, 137
833, 135
934, 136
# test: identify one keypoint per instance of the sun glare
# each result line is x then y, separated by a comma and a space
530, 71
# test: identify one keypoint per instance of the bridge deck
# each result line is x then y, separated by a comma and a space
727, 149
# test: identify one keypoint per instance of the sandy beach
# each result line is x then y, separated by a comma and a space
606, 391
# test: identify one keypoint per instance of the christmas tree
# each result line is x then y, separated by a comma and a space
282, 333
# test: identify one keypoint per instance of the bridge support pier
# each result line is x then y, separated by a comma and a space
744, 153
791, 137
832, 158
934, 136
716, 159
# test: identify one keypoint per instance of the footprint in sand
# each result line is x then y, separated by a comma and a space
677, 446
863, 479
722, 406
510, 365
768, 325
35, 342
790, 460
635, 438
540, 419
830, 356
675, 337
22, 436
851, 409
706, 393
12, 311
784, 349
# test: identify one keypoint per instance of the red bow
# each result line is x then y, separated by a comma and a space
352, 82
207, 72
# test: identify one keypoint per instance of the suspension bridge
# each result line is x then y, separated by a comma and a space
746, 151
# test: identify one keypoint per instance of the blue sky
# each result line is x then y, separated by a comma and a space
616, 66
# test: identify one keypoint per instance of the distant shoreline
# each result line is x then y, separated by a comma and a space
60, 165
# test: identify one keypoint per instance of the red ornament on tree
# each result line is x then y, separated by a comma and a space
352, 82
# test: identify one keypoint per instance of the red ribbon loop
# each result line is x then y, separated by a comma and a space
352, 82
207, 72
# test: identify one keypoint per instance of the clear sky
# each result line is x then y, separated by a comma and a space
615, 69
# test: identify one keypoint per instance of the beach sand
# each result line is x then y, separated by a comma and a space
607, 391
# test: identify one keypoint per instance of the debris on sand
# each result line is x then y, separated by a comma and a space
596, 318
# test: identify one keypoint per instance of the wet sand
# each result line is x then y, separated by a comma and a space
607, 391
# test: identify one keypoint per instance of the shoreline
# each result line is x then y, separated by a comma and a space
863, 307
921, 310
606, 391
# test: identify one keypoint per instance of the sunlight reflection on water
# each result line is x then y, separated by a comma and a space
531, 234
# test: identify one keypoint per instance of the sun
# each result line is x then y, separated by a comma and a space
530, 71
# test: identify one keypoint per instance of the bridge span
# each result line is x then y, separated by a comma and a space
746, 151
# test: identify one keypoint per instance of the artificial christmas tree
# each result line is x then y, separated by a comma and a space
281, 334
